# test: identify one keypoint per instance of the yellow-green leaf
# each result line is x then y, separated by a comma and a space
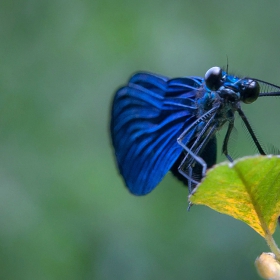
248, 190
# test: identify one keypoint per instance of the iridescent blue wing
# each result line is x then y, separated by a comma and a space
148, 115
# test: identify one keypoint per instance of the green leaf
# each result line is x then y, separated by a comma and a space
248, 190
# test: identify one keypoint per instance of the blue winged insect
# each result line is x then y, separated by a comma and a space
160, 124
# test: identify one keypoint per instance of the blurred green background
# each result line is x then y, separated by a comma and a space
65, 213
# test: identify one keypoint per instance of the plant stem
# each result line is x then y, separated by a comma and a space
273, 246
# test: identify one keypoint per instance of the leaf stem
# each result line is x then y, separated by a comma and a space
272, 245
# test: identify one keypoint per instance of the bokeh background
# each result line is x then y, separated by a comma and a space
64, 210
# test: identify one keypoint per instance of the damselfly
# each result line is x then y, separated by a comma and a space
160, 124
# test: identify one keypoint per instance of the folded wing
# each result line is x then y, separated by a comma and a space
148, 115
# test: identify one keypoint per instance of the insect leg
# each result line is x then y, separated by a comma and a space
192, 152
225, 142
204, 117
248, 126
189, 161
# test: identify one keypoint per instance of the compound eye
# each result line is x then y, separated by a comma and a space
250, 91
213, 78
